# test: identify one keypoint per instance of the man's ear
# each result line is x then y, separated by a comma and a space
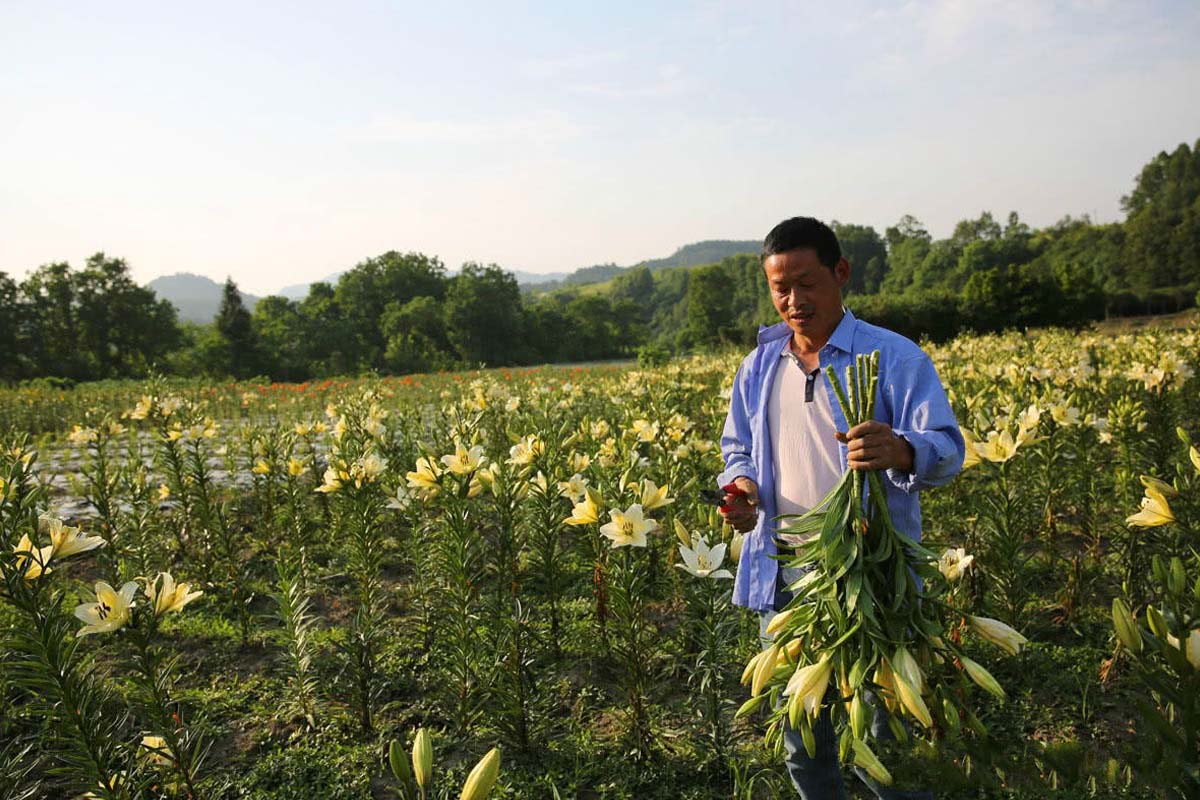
841, 271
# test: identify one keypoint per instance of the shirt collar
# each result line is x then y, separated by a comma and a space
842, 337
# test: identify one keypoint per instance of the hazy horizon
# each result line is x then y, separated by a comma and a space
280, 143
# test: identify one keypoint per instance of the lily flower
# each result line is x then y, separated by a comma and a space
654, 496
704, 562
36, 561
331, 481
67, 541
574, 488
587, 510
998, 448
172, 597
809, 684
401, 499
972, 448
465, 460
999, 634
425, 478
111, 610
1154, 512
954, 563
629, 527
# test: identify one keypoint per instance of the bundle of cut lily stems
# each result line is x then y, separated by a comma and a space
870, 622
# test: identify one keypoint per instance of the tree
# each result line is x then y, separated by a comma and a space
282, 344
236, 329
483, 315
372, 285
415, 333
710, 313
867, 253
1163, 223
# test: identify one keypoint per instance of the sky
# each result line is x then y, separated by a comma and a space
280, 142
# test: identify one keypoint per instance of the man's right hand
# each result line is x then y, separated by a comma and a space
740, 508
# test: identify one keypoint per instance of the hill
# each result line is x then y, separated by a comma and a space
709, 251
196, 297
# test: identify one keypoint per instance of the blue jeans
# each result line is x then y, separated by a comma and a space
820, 777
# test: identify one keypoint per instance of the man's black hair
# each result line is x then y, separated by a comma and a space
799, 232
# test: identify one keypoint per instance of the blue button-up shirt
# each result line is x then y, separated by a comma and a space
909, 397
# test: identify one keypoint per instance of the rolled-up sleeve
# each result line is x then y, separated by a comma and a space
737, 439
922, 414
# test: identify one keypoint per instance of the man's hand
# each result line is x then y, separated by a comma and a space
873, 445
740, 508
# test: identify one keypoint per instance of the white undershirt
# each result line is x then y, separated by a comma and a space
804, 451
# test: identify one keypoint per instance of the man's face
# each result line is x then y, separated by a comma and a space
806, 293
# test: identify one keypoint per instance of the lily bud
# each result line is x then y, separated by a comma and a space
1193, 649
1126, 627
751, 666
422, 759
865, 758
764, 669
779, 620
750, 706
398, 762
1157, 622
999, 634
481, 780
860, 716
982, 678
681, 533
950, 712
912, 701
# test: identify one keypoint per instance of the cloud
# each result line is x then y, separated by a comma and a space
539, 127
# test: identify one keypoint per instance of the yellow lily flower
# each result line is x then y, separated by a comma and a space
587, 511
331, 481
261, 467
111, 610
67, 541
157, 752
972, 448
171, 598
1154, 512
998, 448
809, 684
654, 496
36, 561
465, 460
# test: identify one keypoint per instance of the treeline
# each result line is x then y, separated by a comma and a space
401, 312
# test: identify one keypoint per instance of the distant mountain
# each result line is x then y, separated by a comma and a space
690, 255
299, 291
196, 297
536, 278
706, 252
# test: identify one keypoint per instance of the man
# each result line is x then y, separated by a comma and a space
786, 442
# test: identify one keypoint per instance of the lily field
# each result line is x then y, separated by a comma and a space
516, 584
